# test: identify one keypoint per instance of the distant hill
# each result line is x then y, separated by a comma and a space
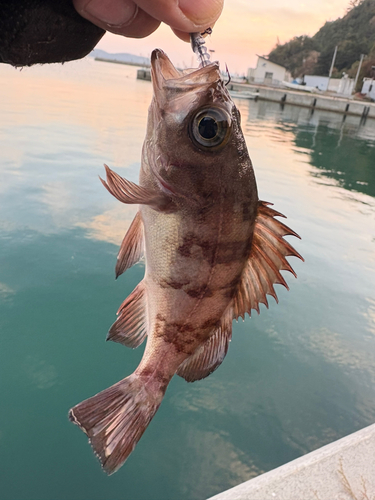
121, 57
354, 34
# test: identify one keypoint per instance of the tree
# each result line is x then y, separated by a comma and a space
354, 34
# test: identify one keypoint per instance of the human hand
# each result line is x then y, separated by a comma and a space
140, 18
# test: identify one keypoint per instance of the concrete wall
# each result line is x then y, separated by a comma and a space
313, 101
343, 470
321, 82
340, 105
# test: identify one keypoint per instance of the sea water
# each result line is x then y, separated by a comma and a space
296, 377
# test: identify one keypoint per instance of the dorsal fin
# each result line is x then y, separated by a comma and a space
131, 250
130, 327
267, 258
211, 354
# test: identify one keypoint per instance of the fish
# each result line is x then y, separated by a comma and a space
213, 252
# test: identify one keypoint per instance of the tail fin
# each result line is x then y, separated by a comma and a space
115, 419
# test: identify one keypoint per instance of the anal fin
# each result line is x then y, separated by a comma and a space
130, 327
211, 354
131, 249
267, 258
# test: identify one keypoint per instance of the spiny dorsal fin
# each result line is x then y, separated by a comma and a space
130, 327
267, 258
131, 249
130, 193
210, 355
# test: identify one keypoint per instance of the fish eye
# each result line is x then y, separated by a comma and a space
210, 127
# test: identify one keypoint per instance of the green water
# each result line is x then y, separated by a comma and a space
296, 377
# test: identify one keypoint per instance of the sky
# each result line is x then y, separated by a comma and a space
245, 28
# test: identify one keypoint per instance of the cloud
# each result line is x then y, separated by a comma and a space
232, 466
6, 291
111, 225
337, 350
41, 374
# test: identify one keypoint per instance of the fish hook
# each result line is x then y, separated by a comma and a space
199, 48
229, 77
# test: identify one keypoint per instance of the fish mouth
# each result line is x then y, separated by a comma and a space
165, 75
162, 66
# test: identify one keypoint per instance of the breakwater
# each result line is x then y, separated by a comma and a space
335, 104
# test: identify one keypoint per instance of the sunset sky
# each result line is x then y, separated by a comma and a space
246, 28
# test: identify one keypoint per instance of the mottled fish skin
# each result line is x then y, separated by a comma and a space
195, 254
212, 250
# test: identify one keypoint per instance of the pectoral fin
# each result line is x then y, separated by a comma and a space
131, 249
267, 258
130, 193
210, 355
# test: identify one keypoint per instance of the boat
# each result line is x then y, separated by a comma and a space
297, 86
246, 94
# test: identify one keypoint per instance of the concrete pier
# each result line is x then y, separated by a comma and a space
144, 74
342, 470
341, 105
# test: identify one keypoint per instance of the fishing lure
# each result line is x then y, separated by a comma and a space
198, 44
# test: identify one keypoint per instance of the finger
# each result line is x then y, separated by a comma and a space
141, 26
183, 35
122, 17
185, 15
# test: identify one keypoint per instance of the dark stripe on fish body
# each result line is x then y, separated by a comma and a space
177, 285
191, 240
223, 253
183, 336
158, 375
200, 291
231, 251
211, 323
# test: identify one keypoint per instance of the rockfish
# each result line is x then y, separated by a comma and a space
212, 251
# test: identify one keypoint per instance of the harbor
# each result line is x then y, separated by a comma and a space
343, 105
318, 100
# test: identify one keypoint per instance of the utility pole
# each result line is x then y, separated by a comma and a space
332, 66
357, 75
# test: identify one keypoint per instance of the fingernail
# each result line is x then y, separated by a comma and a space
201, 13
112, 12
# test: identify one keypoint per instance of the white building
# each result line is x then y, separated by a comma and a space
368, 87
268, 73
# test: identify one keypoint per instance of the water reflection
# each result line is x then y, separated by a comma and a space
111, 225
232, 466
342, 149
296, 377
